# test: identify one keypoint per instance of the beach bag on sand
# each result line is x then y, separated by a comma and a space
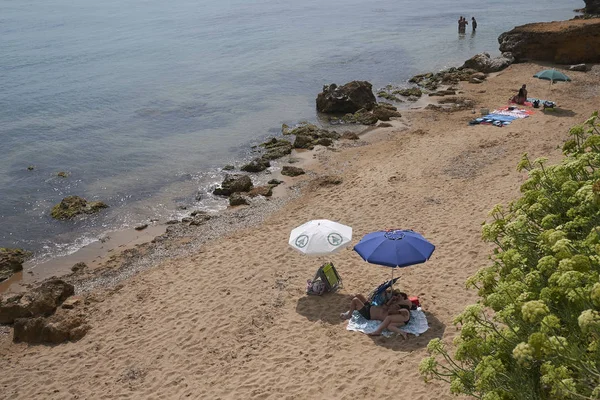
326, 279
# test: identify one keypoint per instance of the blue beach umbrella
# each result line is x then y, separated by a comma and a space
394, 248
552, 76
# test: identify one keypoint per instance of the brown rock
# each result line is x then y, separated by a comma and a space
266, 191
563, 42
41, 301
350, 136
236, 199
11, 261
234, 184
348, 98
289, 170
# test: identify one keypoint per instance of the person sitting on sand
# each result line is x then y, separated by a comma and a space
397, 317
396, 311
521, 97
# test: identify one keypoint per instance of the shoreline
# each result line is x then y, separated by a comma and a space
229, 318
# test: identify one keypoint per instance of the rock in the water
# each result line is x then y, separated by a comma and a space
49, 330
228, 167
141, 227
289, 170
11, 261
275, 182
348, 98
41, 301
484, 63
74, 205
256, 165
578, 67
266, 191
234, 184
62, 174
236, 199
564, 42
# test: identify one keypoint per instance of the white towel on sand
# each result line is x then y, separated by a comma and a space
417, 324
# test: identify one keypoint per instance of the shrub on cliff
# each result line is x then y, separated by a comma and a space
535, 333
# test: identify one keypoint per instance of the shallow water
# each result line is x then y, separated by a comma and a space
142, 102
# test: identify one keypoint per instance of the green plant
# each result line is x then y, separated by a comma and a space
535, 333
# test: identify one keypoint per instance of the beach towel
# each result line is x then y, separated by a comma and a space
417, 324
515, 112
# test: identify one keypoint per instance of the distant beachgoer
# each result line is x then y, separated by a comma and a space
473, 23
462, 24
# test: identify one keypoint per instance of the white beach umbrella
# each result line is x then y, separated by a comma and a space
320, 237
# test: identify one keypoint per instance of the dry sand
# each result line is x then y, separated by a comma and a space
231, 319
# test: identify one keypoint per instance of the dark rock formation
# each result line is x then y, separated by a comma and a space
11, 261
592, 6
54, 330
256, 165
276, 148
234, 184
237, 199
275, 182
563, 42
384, 112
41, 301
348, 98
291, 171
74, 205
484, 63
303, 142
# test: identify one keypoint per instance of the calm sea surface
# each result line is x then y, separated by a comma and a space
142, 101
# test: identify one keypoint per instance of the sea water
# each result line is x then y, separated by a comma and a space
142, 102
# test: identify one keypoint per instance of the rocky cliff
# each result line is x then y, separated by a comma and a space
563, 42
592, 6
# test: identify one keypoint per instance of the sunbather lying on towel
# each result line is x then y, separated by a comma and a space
394, 313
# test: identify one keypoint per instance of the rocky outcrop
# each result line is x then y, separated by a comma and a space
291, 171
11, 261
256, 165
234, 184
348, 98
563, 42
74, 205
592, 6
276, 148
483, 62
41, 301
54, 330
309, 135
237, 199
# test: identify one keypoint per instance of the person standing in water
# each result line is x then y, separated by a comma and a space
473, 23
462, 23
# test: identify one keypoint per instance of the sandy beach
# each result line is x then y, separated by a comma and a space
230, 318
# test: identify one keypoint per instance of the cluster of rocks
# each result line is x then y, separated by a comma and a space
391, 93
35, 318
356, 101
452, 104
11, 261
239, 188
474, 70
74, 205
